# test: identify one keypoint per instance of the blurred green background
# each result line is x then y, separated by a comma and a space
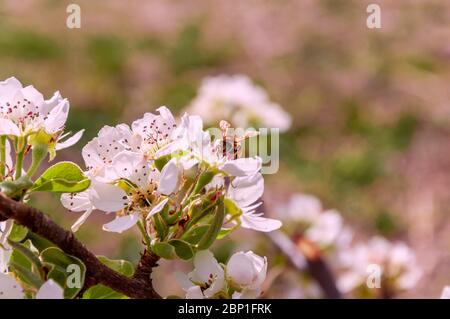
371, 107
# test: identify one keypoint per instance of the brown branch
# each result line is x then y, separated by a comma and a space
316, 266
145, 267
139, 287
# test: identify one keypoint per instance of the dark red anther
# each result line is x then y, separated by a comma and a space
184, 221
27, 150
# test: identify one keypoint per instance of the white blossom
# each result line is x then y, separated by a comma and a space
445, 293
206, 280
124, 178
246, 271
396, 260
301, 208
236, 99
23, 111
323, 228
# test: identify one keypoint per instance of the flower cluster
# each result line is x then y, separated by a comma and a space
181, 185
30, 122
317, 232
238, 100
397, 262
241, 278
175, 170
324, 229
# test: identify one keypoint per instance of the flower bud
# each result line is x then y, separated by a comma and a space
247, 270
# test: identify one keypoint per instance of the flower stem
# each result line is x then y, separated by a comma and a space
2, 156
39, 153
19, 164
146, 237
20, 150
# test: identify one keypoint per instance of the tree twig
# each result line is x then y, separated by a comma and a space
139, 287
317, 267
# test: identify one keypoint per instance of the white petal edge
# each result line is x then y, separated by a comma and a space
70, 141
121, 224
157, 208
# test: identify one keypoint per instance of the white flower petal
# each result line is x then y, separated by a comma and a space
5, 255
246, 190
122, 223
33, 95
183, 280
194, 292
9, 85
106, 197
57, 117
7, 127
242, 166
247, 270
50, 290
10, 288
247, 294
77, 202
240, 269
259, 223
157, 208
5, 230
207, 268
169, 178
70, 141
80, 221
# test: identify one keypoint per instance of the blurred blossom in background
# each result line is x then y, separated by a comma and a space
364, 115
236, 98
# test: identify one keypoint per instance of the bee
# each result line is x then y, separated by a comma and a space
231, 145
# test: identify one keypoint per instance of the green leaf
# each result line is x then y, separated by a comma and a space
160, 226
216, 224
164, 250
182, 249
64, 177
225, 232
27, 253
58, 262
170, 219
22, 262
160, 162
195, 234
204, 179
231, 208
18, 233
122, 266
103, 292
26, 275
